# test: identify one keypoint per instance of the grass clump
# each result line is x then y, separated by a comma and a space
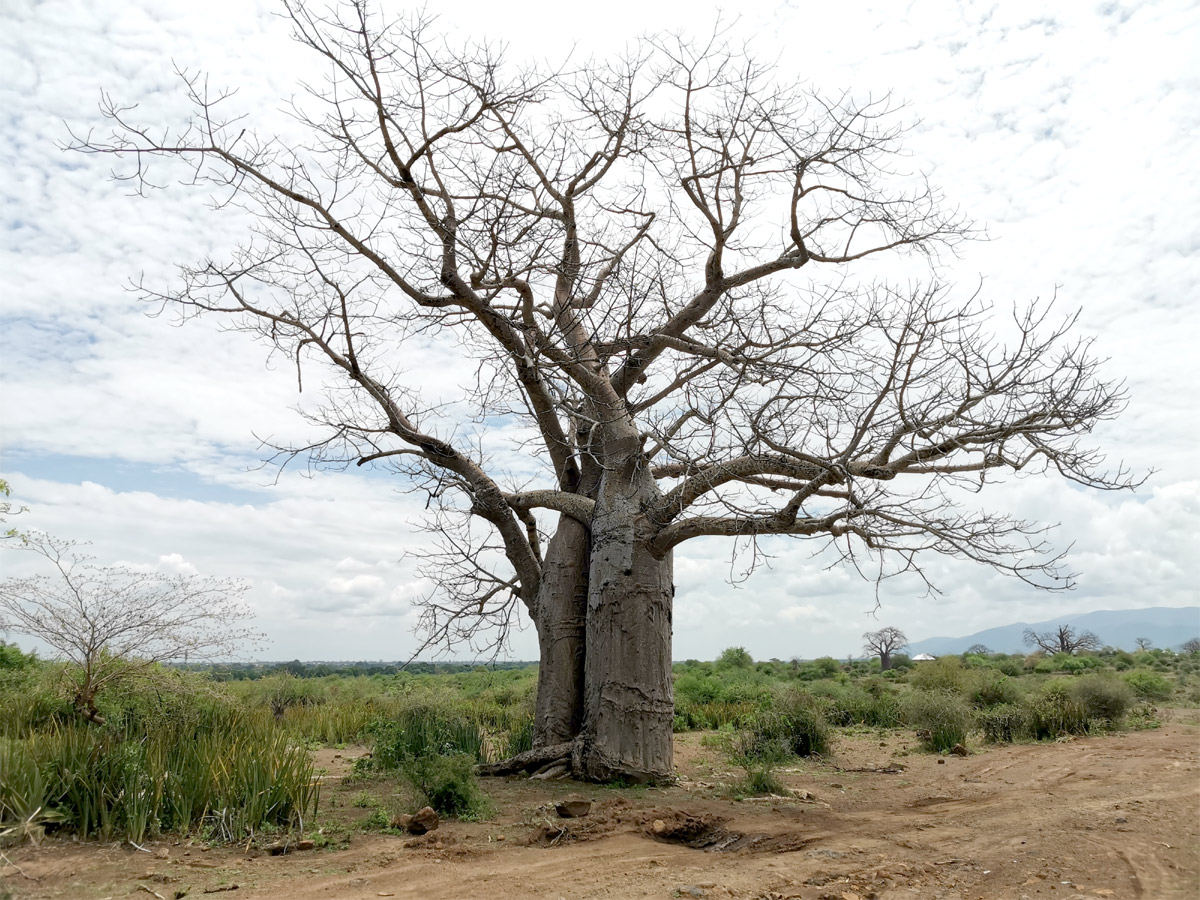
100, 783
424, 730
941, 719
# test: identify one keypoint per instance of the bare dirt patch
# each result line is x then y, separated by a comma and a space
1113, 816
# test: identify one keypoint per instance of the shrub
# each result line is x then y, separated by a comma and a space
946, 675
941, 719
854, 704
795, 723
1149, 685
1055, 712
447, 783
1103, 697
989, 687
1014, 668
1004, 724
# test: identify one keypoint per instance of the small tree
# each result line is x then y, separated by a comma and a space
884, 643
115, 622
1144, 643
1191, 645
978, 650
1061, 640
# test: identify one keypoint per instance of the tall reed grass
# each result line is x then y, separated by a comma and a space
101, 783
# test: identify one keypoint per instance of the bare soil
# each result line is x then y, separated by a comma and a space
1111, 816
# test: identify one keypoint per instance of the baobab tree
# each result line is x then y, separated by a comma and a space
649, 263
1063, 639
884, 643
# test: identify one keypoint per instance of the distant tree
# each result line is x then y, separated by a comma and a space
735, 658
1064, 639
114, 623
1191, 645
1144, 643
978, 650
884, 643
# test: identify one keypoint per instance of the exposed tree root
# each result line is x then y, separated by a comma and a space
537, 761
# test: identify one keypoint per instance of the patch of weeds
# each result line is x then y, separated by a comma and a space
331, 837
1143, 718
378, 820
447, 783
363, 800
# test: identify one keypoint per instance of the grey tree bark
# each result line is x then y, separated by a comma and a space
561, 619
628, 697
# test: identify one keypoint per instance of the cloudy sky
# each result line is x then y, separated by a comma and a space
1070, 136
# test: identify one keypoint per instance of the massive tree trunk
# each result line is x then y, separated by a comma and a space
561, 613
629, 707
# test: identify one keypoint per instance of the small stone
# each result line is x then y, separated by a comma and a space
1121, 820
424, 820
689, 890
162, 853
941, 762
573, 809
438, 845
305, 845
659, 826
960, 750
401, 822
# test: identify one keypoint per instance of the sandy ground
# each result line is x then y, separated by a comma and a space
1113, 816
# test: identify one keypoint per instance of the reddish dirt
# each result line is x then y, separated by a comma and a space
1113, 816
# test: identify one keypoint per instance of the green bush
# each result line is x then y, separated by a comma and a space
988, 687
1013, 668
1149, 685
1104, 697
946, 675
447, 783
1004, 723
793, 722
872, 702
941, 718
1054, 712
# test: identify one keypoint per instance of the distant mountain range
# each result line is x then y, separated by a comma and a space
1165, 626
